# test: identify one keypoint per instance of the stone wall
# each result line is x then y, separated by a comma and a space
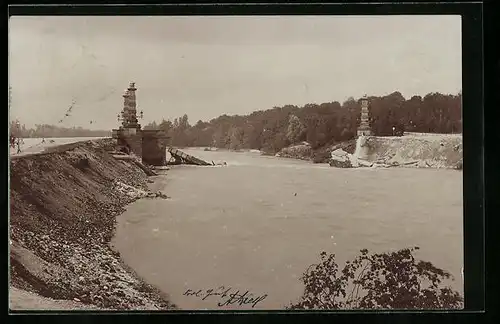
133, 142
154, 150
434, 151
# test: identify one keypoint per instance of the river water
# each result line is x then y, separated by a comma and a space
259, 222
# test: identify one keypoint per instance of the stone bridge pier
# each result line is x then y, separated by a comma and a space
149, 145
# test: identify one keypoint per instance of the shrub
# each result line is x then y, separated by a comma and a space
321, 157
394, 280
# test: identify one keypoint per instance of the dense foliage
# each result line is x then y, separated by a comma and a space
394, 280
319, 124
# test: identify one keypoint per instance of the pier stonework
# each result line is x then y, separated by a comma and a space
364, 127
149, 145
154, 147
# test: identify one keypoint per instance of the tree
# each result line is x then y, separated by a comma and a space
320, 124
394, 280
251, 136
165, 125
180, 134
184, 122
152, 125
296, 129
235, 138
219, 137
15, 132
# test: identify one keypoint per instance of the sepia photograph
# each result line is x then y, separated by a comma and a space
284, 163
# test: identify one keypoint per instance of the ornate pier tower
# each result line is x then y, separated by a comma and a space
364, 127
129, 112
149, 145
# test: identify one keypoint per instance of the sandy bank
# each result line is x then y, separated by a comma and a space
63, 205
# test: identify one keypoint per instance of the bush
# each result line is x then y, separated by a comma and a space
321, 157
392, 280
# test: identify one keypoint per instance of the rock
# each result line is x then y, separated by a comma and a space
302, 151
76, 299
340, 159
364, 163
321, 157
340, 164
339, 154
162, 195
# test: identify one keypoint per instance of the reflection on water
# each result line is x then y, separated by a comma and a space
259, 222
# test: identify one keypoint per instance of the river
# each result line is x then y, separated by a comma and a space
259, 222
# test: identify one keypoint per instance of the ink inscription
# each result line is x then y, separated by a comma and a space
226, 296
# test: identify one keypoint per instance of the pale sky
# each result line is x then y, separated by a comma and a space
208, 66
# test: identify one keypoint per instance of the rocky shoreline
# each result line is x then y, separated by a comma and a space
63, 209
421, 151
304, 151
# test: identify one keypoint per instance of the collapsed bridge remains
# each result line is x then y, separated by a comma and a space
179, 157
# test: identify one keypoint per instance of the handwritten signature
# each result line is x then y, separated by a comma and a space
227, 298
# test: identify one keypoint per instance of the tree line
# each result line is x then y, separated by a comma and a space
18, 130
318, 124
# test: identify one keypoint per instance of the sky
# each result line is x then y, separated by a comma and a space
214, 65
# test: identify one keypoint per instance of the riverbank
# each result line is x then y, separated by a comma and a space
411, 150
63, 209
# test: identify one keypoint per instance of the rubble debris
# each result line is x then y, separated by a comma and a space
301, 151
136, 193
340, 159
162, 168
134, 159
444, 151
157, 194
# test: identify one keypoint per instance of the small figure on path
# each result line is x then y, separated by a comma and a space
18, 143
43, 140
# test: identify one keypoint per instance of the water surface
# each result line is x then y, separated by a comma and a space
259, 222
